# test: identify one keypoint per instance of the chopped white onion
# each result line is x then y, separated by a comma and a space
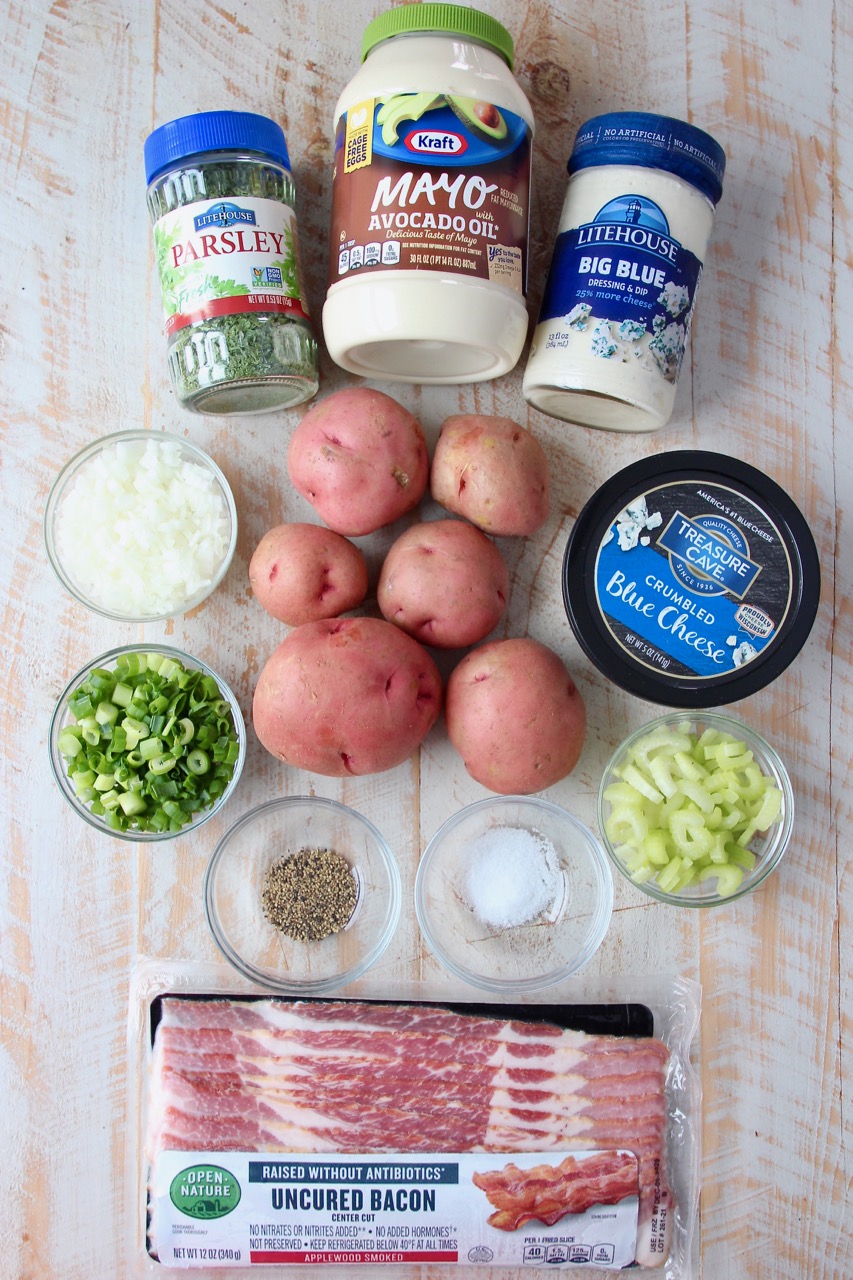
142, 530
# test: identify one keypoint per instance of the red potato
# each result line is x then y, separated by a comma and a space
346, 696
360, 459
445, 583
493, 472
303, 572
515, 716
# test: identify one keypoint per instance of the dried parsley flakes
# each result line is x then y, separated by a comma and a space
221, 198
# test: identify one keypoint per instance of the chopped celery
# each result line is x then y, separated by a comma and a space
683, 807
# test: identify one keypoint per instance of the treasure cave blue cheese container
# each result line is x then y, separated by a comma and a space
631, 244
691, 579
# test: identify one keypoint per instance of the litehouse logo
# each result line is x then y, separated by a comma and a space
630, 220
709, 554
224, 214
436, 142
205, 1191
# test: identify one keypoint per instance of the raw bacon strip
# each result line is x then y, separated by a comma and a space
205, 1014
386, 1112
278, 1075
547, 1192
387, 1030
605, 1098
288, 1066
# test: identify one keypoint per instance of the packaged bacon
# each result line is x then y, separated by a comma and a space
371, 1130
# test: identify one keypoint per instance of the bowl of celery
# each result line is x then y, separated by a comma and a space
146, 742
695, 810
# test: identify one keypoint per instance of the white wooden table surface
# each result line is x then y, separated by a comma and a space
82, 354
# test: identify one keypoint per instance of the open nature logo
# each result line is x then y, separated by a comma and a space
205, 1191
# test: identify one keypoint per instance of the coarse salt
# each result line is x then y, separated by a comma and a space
511, 876
142, 529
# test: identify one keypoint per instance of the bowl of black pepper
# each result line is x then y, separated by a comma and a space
302, 895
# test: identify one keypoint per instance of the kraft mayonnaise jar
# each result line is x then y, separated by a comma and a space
430, 196
618, 302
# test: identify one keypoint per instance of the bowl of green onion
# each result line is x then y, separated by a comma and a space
695, 809
146, 742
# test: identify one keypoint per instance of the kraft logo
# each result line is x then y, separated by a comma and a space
436, 142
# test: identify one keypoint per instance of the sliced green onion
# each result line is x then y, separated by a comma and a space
70, 742
128, 751
186, 731
80, 705
132, 803
163, 786
122, 694
198, 761
132, 662
161, 764
91, 730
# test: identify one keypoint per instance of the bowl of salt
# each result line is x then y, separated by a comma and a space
513, 894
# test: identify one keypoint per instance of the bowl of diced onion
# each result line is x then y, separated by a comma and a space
140, 526
147, 743
695, 810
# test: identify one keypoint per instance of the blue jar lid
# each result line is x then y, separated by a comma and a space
653, 142
213, 131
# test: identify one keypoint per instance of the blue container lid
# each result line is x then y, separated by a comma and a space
649, 661
653, 142
213, 131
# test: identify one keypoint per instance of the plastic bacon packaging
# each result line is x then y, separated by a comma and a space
414, 1129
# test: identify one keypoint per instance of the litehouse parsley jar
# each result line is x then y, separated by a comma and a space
632, 239
221, 198
430, 194
691, 579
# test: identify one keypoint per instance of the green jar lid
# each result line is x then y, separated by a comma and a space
454, 19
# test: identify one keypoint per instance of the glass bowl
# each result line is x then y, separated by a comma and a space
513, 894
628, 845
63, 718
157, 530
235, 879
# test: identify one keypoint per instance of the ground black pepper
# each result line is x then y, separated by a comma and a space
310, 894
